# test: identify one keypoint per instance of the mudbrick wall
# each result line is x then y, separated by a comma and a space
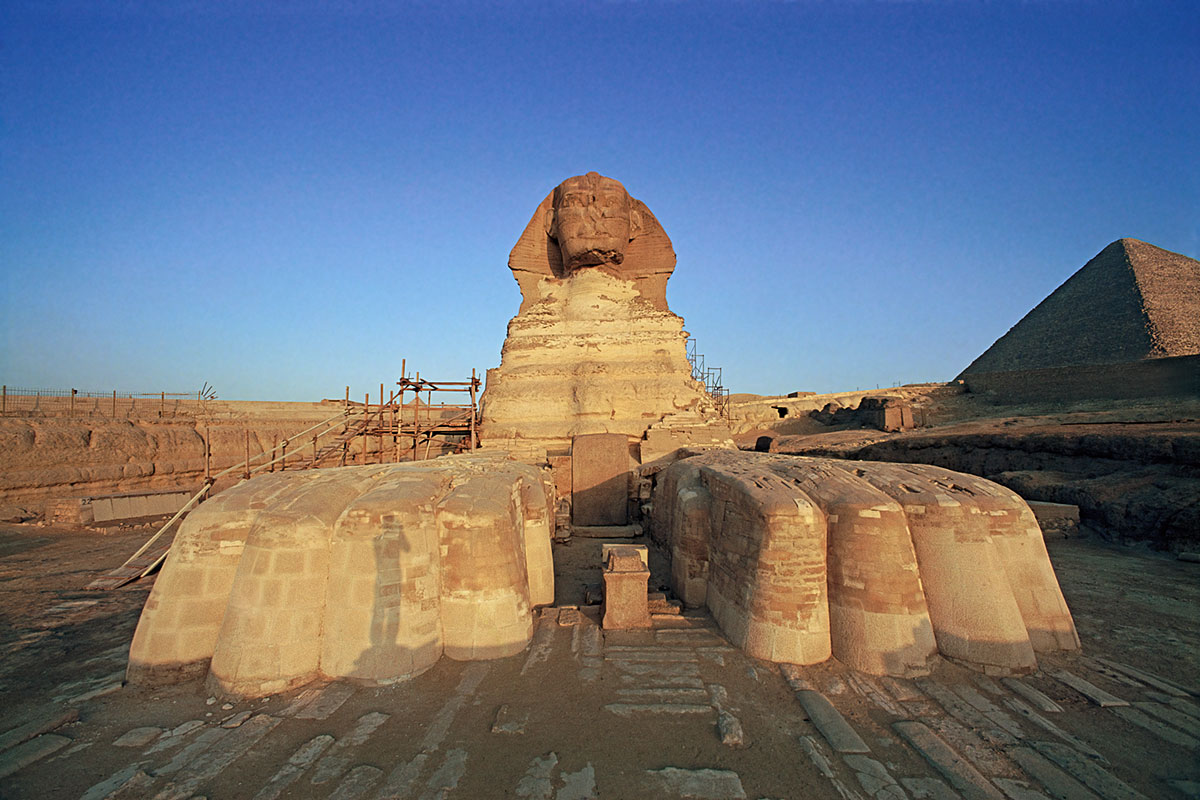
1131, 482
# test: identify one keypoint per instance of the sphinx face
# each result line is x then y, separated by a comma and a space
592, 221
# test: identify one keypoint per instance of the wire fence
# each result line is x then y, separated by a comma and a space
25, 402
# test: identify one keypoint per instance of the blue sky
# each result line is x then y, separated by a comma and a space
285, 199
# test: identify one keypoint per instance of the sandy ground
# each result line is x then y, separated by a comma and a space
584, 713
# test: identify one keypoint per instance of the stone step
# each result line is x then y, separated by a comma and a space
659, 604
606, 531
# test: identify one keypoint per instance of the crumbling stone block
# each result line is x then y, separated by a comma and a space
1059, 519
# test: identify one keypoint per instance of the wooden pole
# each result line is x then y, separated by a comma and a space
274, 447
72, 414
114, 406
207, 454
416, 416
474, 441
392, 425
314, 461
381, 423
246, 474
400, 424
366, 423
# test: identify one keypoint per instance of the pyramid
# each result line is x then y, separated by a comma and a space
1133, 301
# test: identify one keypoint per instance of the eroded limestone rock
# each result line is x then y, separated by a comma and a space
594, 348
370, 573
877, 564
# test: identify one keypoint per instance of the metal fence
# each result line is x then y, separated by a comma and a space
24, 402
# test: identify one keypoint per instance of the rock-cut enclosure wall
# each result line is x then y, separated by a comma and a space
43, 458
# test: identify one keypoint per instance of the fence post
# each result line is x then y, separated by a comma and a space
4, 399
283, 455
314, 450
72, 412
162, 404
207, 454
246, 474
114, 406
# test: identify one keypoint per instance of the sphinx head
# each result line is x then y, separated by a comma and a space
593, 219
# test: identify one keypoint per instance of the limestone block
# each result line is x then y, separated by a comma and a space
561, 468
626, 603
485, 585
878, 564
368, 572
1057, 518
177, 632
641, 549
767, 585
879, 620
974, 612
684, 525
270, 637
537, 505
386, 542
1016, 541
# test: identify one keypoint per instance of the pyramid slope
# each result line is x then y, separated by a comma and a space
1133, 301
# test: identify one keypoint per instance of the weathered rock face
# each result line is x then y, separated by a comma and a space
369, 573
877, 564
594, 348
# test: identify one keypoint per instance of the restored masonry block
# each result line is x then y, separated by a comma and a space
877, 564
370, 573
626, 604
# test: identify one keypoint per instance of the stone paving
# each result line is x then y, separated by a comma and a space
670, 712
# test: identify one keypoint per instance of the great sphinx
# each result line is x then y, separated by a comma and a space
372, 573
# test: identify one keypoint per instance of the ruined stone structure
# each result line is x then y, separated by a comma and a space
877, 564
370, 573
594, 348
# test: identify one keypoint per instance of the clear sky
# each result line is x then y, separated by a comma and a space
282, 199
